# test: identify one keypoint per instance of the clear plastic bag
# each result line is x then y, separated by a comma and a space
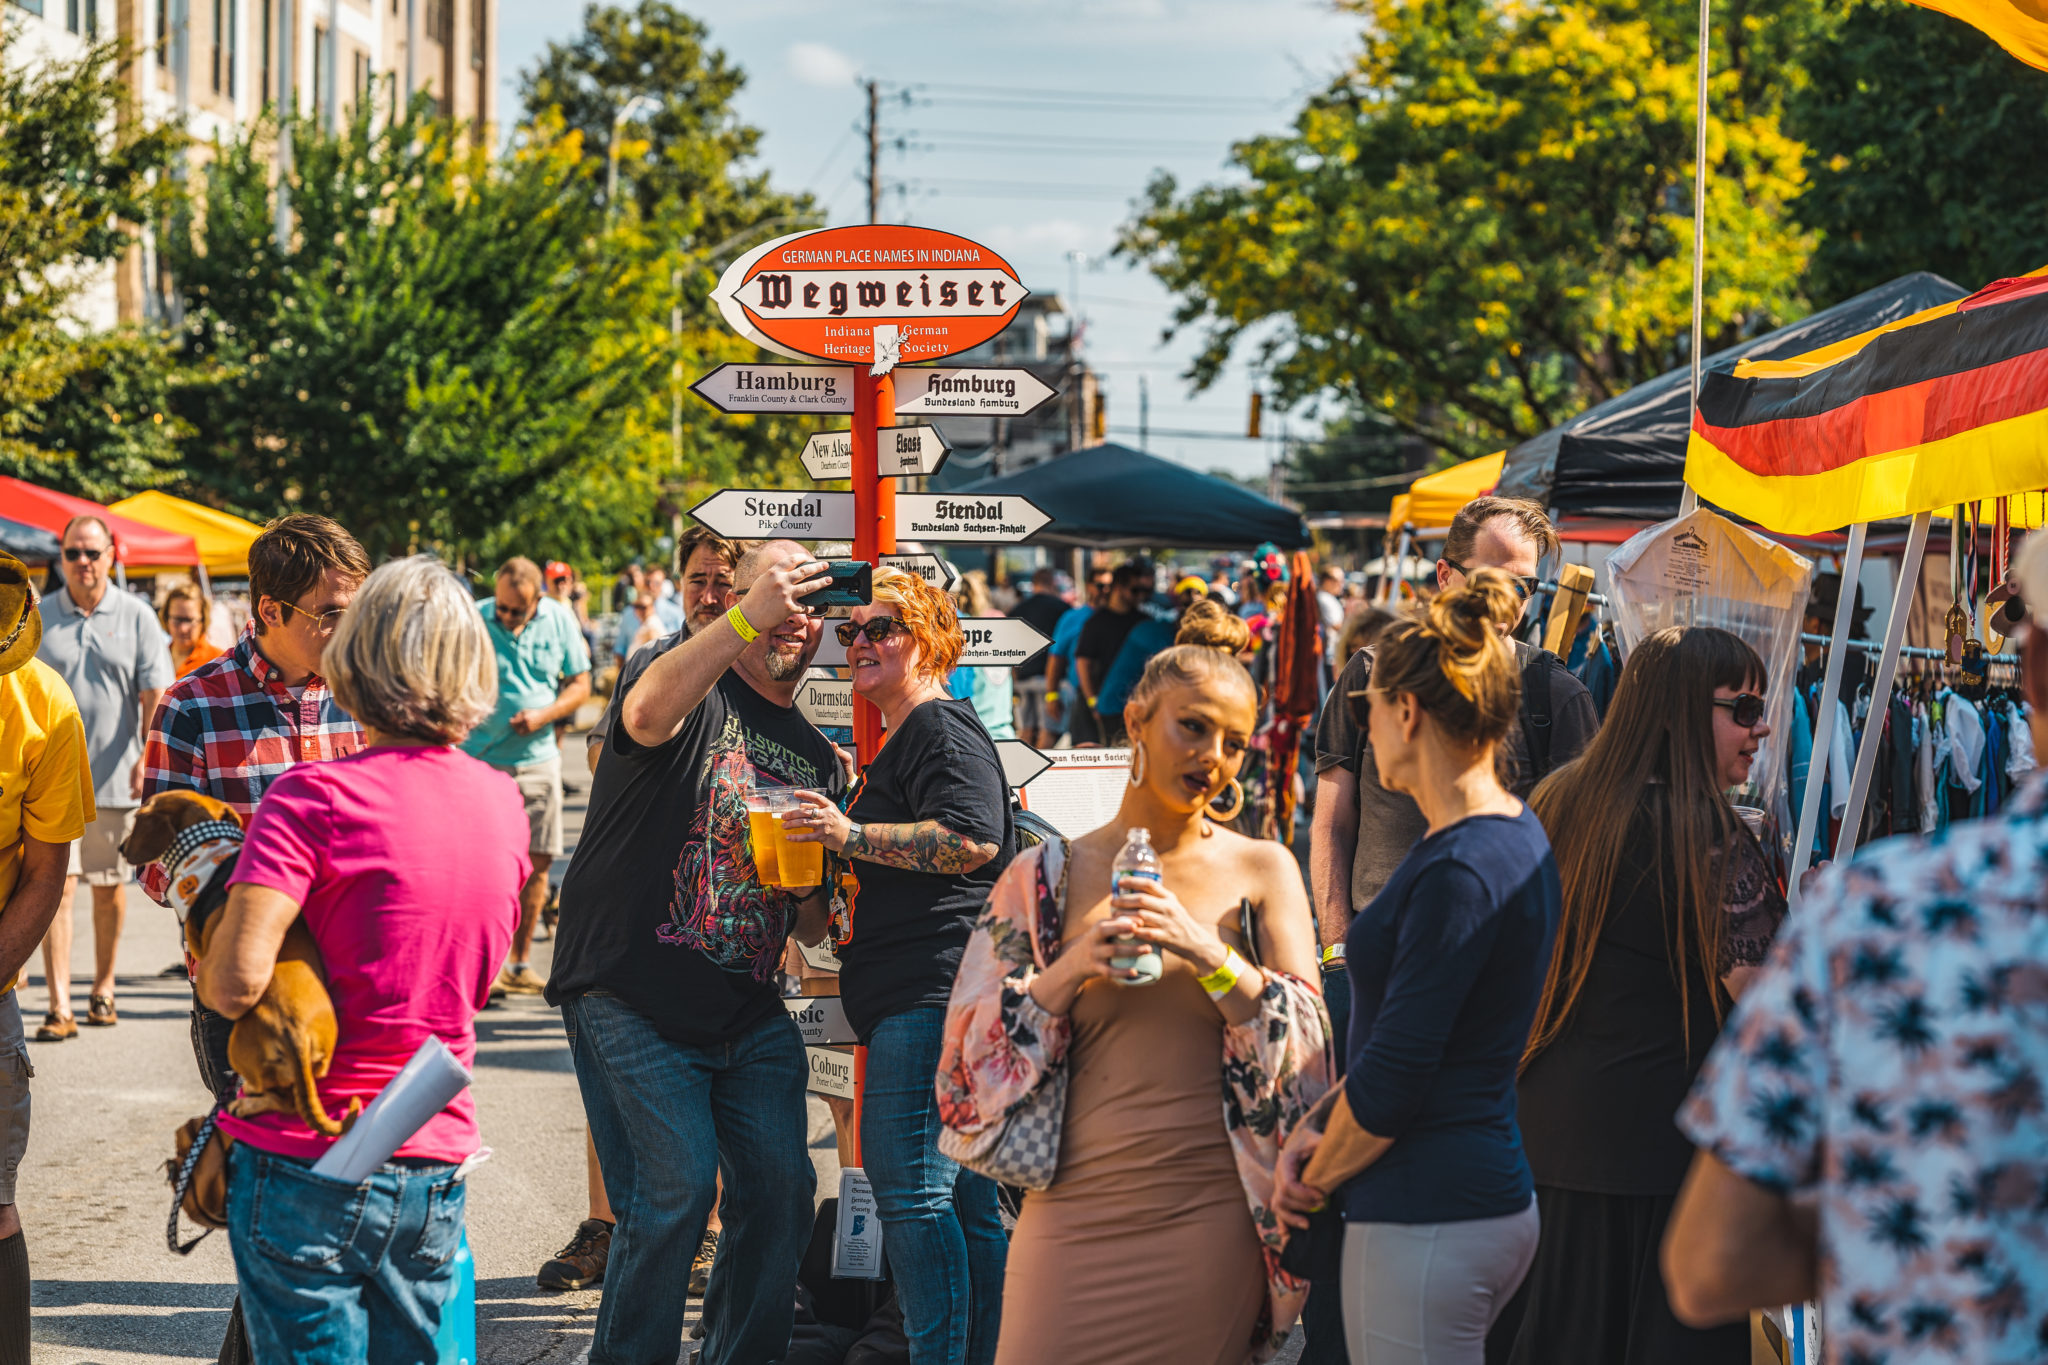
1704, 570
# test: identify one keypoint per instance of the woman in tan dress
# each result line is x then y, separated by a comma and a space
1153, 1245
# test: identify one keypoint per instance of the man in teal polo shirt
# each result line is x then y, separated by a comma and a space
543, 676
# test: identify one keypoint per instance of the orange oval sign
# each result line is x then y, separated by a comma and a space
821, 294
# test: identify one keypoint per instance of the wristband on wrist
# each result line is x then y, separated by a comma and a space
1333, 956
1220, 982
737, 619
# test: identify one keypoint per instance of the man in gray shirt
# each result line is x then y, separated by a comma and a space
108, 646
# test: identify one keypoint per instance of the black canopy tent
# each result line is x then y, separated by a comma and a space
1110, 497
1626, 457
29, 544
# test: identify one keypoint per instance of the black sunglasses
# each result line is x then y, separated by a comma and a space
1525, 583
512, 617
1747, 707
78, 552
877, 630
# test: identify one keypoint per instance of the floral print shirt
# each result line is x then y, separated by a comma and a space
1887, 1065
1000, 1046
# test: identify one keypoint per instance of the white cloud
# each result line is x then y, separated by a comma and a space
817, 64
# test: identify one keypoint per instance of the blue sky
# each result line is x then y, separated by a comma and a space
1116, 89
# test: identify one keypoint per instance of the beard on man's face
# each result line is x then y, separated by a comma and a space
784, 661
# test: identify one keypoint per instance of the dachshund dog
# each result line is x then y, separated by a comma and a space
285, 1043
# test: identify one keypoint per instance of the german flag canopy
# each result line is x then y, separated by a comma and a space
1944, 407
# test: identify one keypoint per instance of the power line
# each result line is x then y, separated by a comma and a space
1019, 189
1041, 96
1056, 142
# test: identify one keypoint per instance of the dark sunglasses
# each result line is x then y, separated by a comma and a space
514, 618
1747, 707
877, 630
1525, 583
78, 552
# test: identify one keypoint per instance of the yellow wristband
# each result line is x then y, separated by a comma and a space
737, 619
1219, 983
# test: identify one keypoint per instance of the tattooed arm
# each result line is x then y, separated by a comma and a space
926, 846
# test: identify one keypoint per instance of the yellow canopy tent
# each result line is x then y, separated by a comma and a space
1432, 500
222, 537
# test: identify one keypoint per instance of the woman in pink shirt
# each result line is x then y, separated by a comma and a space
405, 861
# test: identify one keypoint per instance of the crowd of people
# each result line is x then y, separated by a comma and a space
1532, 1066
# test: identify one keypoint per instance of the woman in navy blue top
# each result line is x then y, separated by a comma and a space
1419, 1145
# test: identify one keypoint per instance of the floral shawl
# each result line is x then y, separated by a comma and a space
1000, 1046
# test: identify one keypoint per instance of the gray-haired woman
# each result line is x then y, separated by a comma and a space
405, 861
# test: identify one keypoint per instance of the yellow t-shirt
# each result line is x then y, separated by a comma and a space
45, 776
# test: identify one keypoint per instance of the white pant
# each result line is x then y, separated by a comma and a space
1426, 1293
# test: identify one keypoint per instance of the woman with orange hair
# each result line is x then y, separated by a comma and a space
927, 833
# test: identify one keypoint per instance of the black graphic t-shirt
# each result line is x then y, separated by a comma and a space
910, 928
661, 906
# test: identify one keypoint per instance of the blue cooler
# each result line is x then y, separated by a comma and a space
457, 1337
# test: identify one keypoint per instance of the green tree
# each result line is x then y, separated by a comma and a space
1484, 224
74, 180
1924, 152
439, 340
112, 426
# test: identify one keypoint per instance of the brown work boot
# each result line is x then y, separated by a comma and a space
522, 980
580, 1265
700, 1269
57, 1027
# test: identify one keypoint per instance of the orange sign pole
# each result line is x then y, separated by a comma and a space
874, 517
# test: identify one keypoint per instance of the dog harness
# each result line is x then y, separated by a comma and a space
195, 857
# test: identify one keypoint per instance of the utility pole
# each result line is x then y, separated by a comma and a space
1144, 414
874, 151
287, 109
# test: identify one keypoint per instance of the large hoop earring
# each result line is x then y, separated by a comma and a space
1224, 817
1137, 764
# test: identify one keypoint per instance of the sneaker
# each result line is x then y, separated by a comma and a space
700, 1269
522, 980
100, 1012
57, 1027
580, 1264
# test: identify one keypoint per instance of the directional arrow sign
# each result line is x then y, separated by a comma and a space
903, 451
999, 520
999, 642
954, 392
933, 570
1020, 761
771, 513
778, 388
825, 701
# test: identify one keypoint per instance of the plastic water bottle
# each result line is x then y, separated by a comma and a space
1136, 859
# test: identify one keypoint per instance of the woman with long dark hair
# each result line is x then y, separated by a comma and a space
1668, 906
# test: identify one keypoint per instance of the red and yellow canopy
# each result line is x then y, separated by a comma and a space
1944, 407
2018, 26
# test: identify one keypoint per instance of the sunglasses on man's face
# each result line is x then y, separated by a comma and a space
1525, 583
513, 616
77, 552
1746, 707
876, 631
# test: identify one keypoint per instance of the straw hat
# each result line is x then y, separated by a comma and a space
21, 625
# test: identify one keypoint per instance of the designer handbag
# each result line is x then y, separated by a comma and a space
1024, 1148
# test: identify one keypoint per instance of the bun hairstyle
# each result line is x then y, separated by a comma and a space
1203, 654
1453, 659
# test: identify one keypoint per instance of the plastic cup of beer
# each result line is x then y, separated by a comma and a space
803, 864
764, 833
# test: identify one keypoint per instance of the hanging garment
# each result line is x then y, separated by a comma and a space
2021, 760
1799, 751
1841, 763
1923, 766
1966, 741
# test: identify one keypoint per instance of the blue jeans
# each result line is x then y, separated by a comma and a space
332, 1274
667, 1119
940, 1229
